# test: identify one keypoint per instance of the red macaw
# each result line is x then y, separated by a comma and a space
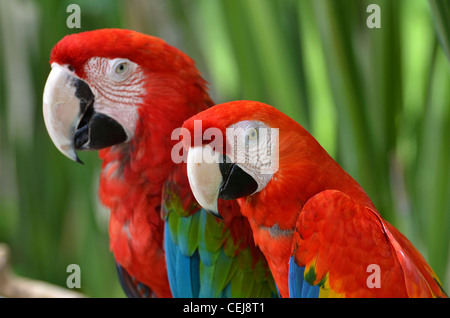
123, 93
320, 232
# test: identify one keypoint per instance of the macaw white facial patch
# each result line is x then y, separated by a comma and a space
119, 89
254, 146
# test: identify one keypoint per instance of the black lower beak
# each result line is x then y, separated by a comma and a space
99, 132
236, 183
95, 130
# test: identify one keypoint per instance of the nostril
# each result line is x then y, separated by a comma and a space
70, 67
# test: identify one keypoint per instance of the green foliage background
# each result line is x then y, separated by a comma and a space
377, 99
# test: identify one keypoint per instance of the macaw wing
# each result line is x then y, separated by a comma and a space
131, 286
345, 249
416, 270
208, 257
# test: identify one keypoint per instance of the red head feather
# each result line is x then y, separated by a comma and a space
151, 53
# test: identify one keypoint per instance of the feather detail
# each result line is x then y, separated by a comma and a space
205, 256
338, 239
132, 287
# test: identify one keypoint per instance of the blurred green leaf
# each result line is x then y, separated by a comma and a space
440, 10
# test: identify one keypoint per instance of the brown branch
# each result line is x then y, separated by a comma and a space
13, 286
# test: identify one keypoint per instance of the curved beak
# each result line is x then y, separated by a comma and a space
61, 110
70, 116
213, 176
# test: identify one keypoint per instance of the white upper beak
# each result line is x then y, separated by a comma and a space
61, 109
204, 176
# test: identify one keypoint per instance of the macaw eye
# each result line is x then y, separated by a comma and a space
252, 134
121, 68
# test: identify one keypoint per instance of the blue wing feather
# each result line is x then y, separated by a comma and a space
202, 258
132, 287
183, 270
170, 249
298, 286
187, 279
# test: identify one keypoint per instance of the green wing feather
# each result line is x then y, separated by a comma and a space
204, 258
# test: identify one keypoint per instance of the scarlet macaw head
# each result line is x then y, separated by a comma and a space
246, 160
106, 85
